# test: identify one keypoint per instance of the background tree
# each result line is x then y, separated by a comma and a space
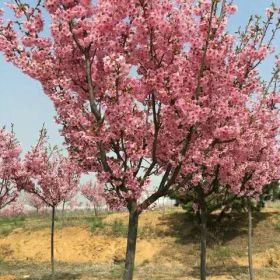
34, 201
12, 175
94, 192
53, 177
67, 200
14, 209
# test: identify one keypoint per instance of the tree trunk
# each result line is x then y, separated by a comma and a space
52, 242
203, 236
95, 210
250, 251
131, 241
63, 206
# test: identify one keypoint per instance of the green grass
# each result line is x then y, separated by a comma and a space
221, 253
7, 225
277, 225
118, 228
96, 223
35, 221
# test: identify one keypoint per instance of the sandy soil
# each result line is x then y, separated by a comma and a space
78, 244
74, 244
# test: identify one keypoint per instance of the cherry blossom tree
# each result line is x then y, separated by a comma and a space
34, 201
147, 36
236, 152
152, 88
94, 192
53, 177
11, 172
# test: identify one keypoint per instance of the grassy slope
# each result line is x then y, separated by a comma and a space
168, 247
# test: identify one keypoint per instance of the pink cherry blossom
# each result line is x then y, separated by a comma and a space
232, 9
269, 11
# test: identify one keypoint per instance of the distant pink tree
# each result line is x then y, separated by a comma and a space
74, 203
53, 178
34, 201
94, 192
68, 200
149, 88
14, 209
12, 175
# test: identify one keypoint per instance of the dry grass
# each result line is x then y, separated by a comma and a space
168, 247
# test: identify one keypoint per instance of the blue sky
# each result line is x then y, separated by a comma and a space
24, 104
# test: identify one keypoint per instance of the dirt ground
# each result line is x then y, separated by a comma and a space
167, 248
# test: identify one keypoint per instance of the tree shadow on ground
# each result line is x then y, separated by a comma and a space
35, 271
219, 270
185, 227
58, 276
64, 270
227, 242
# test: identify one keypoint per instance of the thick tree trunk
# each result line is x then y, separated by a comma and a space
203, 234
250, 250
52, 243
131, 241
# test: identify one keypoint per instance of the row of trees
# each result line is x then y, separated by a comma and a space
41, 196
197, 114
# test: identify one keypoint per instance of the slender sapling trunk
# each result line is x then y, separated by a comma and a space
250, 246
52, 242
95, 210
63, 207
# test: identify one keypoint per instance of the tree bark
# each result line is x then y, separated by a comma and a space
95, 210
250, 247
131, 241
52, 242
203, 234
63, 207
